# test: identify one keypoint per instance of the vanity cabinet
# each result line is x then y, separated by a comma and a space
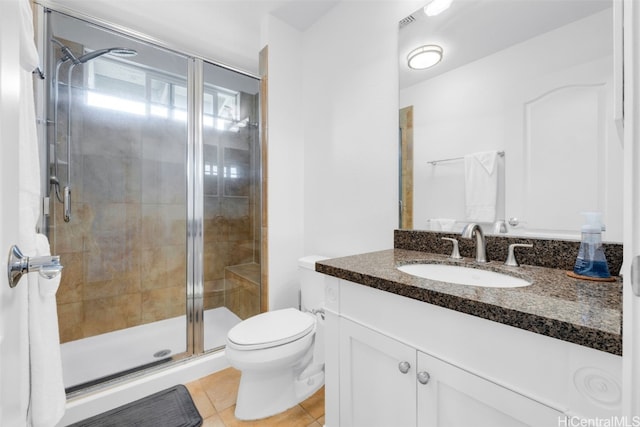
385, 382
480, 372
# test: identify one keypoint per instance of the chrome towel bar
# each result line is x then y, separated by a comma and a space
435, 162
47, 266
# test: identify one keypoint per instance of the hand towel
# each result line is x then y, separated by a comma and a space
47, 395
481, 186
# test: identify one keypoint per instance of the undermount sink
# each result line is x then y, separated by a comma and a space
464, 275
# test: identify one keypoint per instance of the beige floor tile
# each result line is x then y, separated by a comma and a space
215, 397
222, 388
294, 417
314, 405
213, 421
200, 398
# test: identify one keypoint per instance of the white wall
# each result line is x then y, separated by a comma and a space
285, 157
333, 137
350, 103
499, 103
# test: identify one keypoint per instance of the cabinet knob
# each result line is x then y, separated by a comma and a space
423, 377
404, 367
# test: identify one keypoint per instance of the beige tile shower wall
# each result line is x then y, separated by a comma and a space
230, 216
242, 289
124, 250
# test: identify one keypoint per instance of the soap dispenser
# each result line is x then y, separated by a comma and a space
591, 263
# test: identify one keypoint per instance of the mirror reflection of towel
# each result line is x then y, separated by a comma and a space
442, 224
481, 186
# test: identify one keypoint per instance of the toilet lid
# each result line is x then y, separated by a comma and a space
272, 328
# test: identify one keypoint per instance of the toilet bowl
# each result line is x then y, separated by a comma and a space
280, 353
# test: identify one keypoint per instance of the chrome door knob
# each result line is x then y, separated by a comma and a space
404, 367
423, 377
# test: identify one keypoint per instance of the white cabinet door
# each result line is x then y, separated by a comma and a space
453, 397
377, 379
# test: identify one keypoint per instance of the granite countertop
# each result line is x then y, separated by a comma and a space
583, 312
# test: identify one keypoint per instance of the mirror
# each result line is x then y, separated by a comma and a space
531, 84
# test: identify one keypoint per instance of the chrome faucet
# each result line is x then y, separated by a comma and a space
468, 232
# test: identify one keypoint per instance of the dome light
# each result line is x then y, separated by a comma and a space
424, 57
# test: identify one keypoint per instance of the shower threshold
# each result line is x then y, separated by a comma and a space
92, 360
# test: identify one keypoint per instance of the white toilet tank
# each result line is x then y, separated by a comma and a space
311, 283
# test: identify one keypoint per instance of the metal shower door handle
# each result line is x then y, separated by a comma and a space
66, 198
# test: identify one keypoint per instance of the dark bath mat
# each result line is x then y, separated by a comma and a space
172, 407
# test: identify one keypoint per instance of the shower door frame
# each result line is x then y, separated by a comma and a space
195, 210
194, 293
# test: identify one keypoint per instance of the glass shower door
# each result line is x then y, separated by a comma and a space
118, 145
232, 201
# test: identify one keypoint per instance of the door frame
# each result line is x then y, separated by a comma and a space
631, 109
406, 168
13, 316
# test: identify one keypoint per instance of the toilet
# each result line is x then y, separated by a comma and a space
280, 353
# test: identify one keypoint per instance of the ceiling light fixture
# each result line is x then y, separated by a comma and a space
436, 7
424, 57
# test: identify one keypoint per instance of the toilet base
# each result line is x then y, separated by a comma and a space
263, 394
311, 383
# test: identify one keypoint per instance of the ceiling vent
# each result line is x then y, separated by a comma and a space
406, 21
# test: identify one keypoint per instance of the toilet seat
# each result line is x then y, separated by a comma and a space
271, 329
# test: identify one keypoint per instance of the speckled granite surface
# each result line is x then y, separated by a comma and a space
545, 252
582, 312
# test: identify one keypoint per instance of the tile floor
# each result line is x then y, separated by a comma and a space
215, 398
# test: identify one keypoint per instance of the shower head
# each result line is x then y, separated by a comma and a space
118, 51
68, 55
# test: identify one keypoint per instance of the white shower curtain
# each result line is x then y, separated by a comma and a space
46, 389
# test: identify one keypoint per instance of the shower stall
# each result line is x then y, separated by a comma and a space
153, 201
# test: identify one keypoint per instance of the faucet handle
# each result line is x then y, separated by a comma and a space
511, 257
455, 253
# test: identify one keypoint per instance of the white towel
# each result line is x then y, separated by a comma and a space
47, 396
28, 153
481, 186
443, 224
46, 390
